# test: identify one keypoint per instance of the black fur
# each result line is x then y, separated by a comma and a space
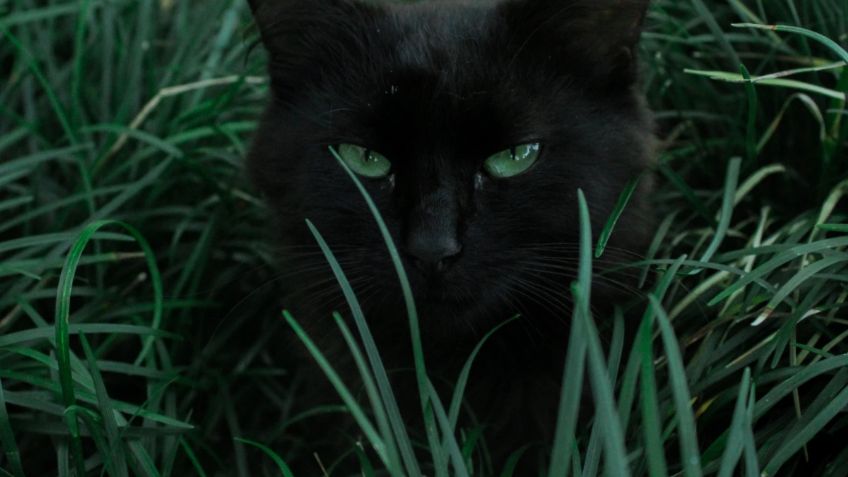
437, 87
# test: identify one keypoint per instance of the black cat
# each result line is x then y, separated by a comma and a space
472, 124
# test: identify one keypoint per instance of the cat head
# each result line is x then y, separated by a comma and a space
472, 124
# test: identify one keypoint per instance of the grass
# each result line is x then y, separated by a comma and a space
137, 315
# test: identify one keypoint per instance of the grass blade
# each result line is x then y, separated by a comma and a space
569, 404
791, 253
677, 374
832, 45
462, 381
63, 300
811, 426
750, 129
735, 446
281, 464
449, 437
409, 300
651, 420
373, 395
730, 182
117, 461
615, 454
347, 397
7, 438
620, 205
377, 368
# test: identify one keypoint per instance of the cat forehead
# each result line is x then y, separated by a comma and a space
440, 21
428, 33
443, 52
447, 68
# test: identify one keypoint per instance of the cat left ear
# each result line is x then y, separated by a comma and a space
597, 36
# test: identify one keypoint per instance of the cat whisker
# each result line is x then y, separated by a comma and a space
543, 295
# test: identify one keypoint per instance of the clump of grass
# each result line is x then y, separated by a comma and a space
134, 280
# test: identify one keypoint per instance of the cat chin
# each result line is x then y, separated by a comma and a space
453, 322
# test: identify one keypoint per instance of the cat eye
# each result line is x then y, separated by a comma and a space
364, 162
513, 161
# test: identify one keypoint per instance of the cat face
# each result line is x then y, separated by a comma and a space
472, 125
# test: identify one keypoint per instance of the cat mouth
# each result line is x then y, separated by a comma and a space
440, 308
442, 296
438, 292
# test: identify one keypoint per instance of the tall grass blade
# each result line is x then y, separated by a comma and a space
450, 442
335, 380
462, 380
615, 454
117, 460
373, 394
391, 413
734, 445
412, 311
680, 390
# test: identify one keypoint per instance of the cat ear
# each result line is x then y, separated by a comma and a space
301, 34
595, 36
290, 23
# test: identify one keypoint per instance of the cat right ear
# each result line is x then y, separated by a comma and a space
285, 23
302, 36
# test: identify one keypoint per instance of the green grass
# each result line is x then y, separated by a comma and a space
138, 325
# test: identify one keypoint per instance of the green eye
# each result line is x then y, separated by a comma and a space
365, 162
513, 161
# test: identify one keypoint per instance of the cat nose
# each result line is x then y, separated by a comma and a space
434, 253
432, 234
